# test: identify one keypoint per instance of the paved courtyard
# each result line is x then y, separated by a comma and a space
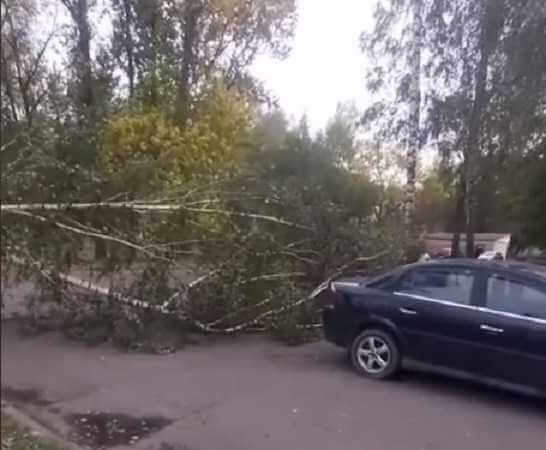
252, 393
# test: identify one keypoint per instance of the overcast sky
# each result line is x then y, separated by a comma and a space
326, 65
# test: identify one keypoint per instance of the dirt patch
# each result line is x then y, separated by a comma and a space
101, 430
26, 396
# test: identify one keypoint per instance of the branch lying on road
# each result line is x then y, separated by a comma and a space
94, 288
87, 285
162, 308
211, 327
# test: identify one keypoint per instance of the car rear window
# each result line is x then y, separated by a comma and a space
514, 296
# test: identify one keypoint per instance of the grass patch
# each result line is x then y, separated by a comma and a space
18, 437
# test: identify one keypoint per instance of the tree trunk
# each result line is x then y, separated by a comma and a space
469, 211
19, 69
79, 11
154, 30
487, 40
7, 84
84, 48
129, 47
414, 140
458, 220
189, 24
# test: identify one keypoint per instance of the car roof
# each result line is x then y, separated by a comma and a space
518, 267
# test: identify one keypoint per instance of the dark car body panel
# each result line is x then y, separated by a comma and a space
359, 308
518, 355
467, 338
439, 333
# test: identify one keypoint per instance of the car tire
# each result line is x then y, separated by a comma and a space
375, 354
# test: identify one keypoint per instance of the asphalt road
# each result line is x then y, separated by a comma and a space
253, 393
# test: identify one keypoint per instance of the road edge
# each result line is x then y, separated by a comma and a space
39, 422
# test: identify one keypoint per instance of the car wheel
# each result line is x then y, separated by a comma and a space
375, 354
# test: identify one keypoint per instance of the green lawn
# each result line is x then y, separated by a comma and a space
16, 437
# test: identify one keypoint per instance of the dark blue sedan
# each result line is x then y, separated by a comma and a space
471, 319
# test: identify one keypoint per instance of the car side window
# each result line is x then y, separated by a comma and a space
513, 296
439, 283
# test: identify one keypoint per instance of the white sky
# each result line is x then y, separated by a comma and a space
326, 65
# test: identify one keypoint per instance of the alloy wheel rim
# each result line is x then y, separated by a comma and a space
373, 354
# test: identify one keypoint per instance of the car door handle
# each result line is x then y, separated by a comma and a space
409, 312
490, 329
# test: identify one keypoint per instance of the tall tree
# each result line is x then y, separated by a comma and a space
123, 40
176, 49
23, 70
474, 86
414, 144
490, 24
478, 118
189, 20
340, 135
81, 51
394, 47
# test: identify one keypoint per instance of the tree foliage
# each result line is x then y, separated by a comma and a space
192, 42
146, 151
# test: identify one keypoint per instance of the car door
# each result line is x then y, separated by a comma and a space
436, 315
513, 329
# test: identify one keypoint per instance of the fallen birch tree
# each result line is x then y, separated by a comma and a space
257, 278
250, 253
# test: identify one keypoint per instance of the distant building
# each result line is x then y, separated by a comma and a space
439, 244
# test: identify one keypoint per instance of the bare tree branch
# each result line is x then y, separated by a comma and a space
94, 234
87, 285
274, 276
145, 207
211, 327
